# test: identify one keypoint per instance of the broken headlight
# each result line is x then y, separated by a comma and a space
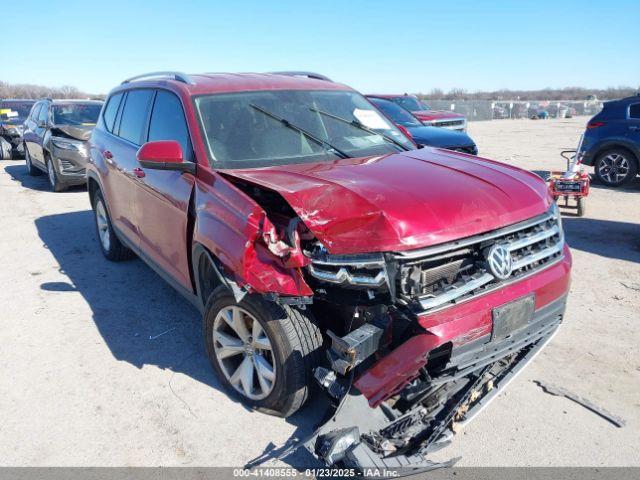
361, 270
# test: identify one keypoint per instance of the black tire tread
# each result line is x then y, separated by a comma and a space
299, 341
117, 251
304, 336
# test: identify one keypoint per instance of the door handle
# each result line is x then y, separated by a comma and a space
138, 172
108, 156
634, 128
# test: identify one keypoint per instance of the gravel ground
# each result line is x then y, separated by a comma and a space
85, 381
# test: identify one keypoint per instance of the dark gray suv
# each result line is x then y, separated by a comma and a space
55, 140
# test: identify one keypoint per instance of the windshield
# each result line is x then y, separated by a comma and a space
76, 113
14, 112
411, 103
396, 113
239, 135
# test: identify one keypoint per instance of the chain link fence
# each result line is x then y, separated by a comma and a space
494, 110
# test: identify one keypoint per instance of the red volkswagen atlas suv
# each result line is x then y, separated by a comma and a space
403, 288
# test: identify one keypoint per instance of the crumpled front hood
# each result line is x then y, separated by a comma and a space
403, 201
81, 132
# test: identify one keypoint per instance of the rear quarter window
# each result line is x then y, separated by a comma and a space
634, 111
111, 111
134, 115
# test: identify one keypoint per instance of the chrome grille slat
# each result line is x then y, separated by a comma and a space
423, 252
535, 238
455, 292
536, 257
533, 244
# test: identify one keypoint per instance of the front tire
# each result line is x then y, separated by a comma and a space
110, 244
615, 167
263, 353
31, 169
52, 175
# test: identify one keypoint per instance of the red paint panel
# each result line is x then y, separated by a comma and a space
461, 324
395, 370
403, 201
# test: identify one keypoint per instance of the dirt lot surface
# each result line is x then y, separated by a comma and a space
89, 378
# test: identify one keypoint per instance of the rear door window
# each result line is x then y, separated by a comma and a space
168, 122
134, 115
634, 111
111, 111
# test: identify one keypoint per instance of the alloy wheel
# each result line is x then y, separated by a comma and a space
244, 352
102, 221
614, 168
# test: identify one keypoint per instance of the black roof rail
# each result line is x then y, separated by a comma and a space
315, 76
179, 76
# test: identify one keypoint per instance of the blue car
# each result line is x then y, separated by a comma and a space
423, 135
611, 143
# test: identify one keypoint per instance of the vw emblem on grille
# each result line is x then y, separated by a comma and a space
499, 261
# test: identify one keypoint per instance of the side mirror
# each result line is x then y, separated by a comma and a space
164, 155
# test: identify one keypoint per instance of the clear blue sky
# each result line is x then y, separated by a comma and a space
381, 46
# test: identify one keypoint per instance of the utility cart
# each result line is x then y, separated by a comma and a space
572, 185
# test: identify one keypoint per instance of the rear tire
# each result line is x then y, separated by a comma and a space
294, 344
5, 149
615, 167
31, 169
110, 244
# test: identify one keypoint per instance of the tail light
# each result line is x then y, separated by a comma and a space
591, 125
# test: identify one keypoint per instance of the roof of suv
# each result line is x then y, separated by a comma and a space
208, 83
71, 100
389, 96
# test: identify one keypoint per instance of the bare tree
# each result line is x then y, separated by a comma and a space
24, 90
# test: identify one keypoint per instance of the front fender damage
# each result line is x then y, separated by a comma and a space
239, 234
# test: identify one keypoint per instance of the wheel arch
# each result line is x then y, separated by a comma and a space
208, 273
618, 144
93, 185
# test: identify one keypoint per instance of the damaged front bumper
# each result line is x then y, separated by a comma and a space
393, 413
423, 417
71, 158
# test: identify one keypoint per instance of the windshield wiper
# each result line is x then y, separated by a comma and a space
323, 143
360, 126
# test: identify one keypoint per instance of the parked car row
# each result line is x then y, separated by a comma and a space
13, 113
55, 140
424, 113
